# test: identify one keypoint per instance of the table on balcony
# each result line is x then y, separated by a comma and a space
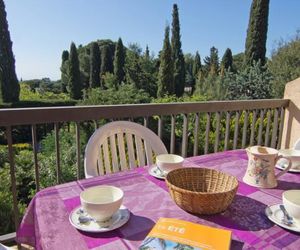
46, 224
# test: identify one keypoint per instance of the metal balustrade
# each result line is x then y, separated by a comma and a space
233, 124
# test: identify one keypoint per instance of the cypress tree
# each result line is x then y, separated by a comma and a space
119, 62
165, 74
177, 55
226, 61
255, 48
147, 53
196, 65
9, 85
75, 84
94, 65
105, 63
64, 70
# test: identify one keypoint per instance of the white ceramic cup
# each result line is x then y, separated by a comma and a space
101, 202
168, 162
291, 202
292, 154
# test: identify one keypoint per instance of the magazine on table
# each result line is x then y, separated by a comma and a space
177, 234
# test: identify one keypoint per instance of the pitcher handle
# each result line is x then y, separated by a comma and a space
288, 167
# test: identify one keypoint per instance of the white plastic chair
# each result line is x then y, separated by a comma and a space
2, 247
120, 145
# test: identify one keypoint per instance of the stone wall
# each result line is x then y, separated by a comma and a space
291, 129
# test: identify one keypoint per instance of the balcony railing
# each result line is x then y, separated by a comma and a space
234, 124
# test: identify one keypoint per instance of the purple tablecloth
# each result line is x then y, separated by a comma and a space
46, 223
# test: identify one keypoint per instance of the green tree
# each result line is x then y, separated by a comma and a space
64, 70
84, 64
238, 62
213, 87
149, 73
254, 82
189, 77
165, 74
255, 47
132, 65
196, 65
75, 84
119, 62
177, 55
227, 61
212, 62
94, 65
106, 63
284, 64
9, 85
140, 70
147, 53
125, 94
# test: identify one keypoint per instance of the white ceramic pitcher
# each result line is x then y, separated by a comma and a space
261, 167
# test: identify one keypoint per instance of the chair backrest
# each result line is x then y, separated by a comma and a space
120, 145
297, 144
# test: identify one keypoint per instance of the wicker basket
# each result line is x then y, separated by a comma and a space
201, 190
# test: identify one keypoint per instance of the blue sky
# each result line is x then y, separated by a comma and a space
42, 29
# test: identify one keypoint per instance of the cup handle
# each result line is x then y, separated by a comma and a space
285, 170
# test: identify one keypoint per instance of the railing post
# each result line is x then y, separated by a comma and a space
267, 136
184, 135
12, 175
77, 125
58, 170
282, 112
207, 133
217, 133
160, 127
236, 129
244, 138
36, 166
172, 141
227, 131
196, 135
274, 129
261, 123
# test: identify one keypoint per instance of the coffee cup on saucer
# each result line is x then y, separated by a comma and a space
291, 202
293, 155
168, 162
101, 202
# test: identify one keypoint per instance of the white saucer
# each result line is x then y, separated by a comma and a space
275, 214
294, 169
154, 171
117, 220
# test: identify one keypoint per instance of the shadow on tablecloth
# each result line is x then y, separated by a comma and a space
135, 229
285, 185
243, 214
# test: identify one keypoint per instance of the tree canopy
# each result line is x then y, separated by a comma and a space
94, 65
177, 55
119, 61
9, 85
165, 74
75, 84
255, 48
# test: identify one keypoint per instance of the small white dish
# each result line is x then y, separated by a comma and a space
156, 172
117, 220
275, 214
293, 169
